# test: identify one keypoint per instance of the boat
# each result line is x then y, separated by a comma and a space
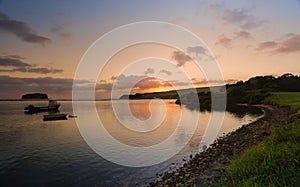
52, 106
52, 117
72, 116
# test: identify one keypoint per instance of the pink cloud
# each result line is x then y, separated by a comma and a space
289, 45
224, 41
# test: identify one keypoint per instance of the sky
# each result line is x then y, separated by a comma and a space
43, 42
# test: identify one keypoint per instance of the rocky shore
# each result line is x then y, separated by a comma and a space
206, 168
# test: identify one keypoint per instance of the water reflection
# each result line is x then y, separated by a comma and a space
241, 111
37, 153
133, 138
238, 110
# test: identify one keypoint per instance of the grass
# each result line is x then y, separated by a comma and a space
291, 99
276, 160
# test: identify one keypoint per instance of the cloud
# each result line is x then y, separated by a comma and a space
60, 31
14, 57
240, 17
224, 41
149, 71
290, 44
166, 72
21, 30
243, 35
150, 82
33, 70
179, 83
232, 16
39, 70
198, 50
14, 63
123, 82
142, 83
181, 58
266, 45
104, 86
14, 87
227, 42
251, 24
133, 82
202, 82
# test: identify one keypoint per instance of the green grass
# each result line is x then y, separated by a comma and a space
276, 160
291, 99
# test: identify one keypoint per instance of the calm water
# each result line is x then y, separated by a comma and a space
38, 153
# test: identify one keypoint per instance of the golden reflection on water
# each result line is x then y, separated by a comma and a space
140, 109
142, 112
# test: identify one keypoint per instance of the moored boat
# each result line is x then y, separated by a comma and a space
52, 117
52, 106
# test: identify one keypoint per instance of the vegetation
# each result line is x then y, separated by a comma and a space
291, 99
35, 96
276, 160
173, 94
256, 89
287, 83
252, 91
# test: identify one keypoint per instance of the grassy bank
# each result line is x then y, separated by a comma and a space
276, 160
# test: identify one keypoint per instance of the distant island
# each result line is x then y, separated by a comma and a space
34, 96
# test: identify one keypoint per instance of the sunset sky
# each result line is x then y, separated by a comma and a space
42, 42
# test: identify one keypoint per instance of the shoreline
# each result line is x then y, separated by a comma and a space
206, 168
